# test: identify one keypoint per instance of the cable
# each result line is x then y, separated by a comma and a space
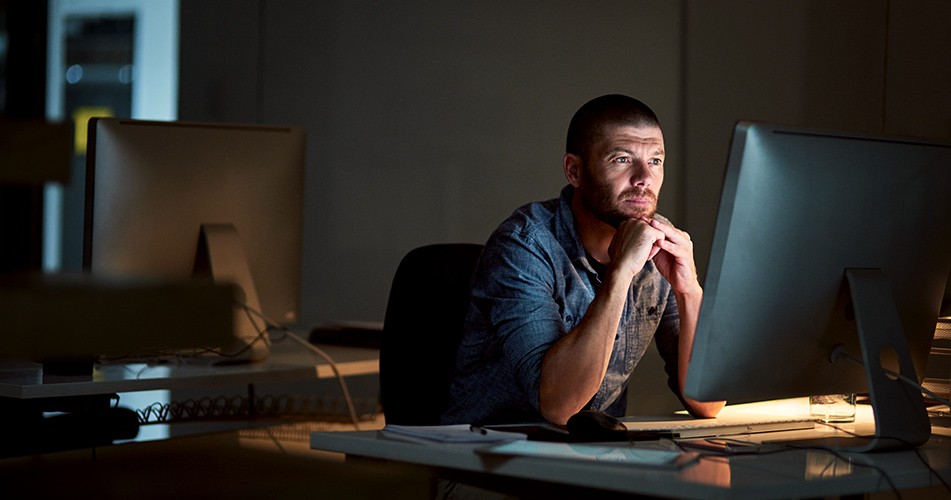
263, 335
918, 386
336, 370
921, 458
840, 456
933, 472
238, 406
779, 447
840, 353
319, 352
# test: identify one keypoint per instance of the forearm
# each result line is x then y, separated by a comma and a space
688, 305
574, 367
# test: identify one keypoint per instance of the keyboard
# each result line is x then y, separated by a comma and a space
733, 420
722, 426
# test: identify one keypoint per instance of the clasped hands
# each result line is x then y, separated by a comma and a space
640, 240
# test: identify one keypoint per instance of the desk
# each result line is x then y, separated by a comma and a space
793, 473
261, 464
288, 361
25, 393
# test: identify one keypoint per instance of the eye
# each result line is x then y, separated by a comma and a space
657, 162
621, 159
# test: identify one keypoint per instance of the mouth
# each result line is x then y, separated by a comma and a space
639, 202
639, 198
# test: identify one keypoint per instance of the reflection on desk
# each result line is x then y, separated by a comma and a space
229, 465
776, 474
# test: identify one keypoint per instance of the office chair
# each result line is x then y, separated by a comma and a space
424, 320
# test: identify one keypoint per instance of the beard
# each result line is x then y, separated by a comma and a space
608, 207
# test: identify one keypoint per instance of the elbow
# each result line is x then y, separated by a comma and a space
705, 409
555, 416
556, 410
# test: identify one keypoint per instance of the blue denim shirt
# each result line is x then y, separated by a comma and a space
532, 285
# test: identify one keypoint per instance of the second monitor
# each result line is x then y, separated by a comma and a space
174, 200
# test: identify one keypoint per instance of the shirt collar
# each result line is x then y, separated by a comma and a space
566, 231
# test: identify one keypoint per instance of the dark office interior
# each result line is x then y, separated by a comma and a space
429, 122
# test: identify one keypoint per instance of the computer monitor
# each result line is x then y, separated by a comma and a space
826, 243
178, 200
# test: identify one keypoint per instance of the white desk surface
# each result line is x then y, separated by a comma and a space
288, 361
793, 473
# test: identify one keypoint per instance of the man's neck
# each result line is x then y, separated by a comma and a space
595, 234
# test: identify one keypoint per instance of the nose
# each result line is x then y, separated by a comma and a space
640, 173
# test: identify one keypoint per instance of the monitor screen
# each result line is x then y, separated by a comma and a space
798, 209
175, 200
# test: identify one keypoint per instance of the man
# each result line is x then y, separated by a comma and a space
569, 292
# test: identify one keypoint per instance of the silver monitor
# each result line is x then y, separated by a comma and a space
826, 244
179, 200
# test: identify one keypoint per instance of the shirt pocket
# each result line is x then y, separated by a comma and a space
638, 329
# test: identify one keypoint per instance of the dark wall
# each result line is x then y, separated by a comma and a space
880, 66
427, 121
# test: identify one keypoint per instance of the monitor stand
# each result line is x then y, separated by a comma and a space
901, 420
221, 256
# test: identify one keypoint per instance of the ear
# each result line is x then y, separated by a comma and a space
573, 166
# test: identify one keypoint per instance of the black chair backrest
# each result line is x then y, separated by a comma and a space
424, 320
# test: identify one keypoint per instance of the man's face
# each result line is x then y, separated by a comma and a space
622, 174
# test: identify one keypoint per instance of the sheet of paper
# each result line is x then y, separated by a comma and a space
621, 455
450, 433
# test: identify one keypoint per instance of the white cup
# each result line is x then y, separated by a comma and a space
833, 408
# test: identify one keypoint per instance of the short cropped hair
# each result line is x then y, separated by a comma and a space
613, 109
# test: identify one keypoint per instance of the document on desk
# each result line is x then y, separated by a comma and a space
610, 454
450, 434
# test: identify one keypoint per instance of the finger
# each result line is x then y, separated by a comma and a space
673, 248
670, 232
635, 241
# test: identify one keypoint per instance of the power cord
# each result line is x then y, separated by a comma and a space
316, 350
172, 353
921, 458
840, 353
263, 334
